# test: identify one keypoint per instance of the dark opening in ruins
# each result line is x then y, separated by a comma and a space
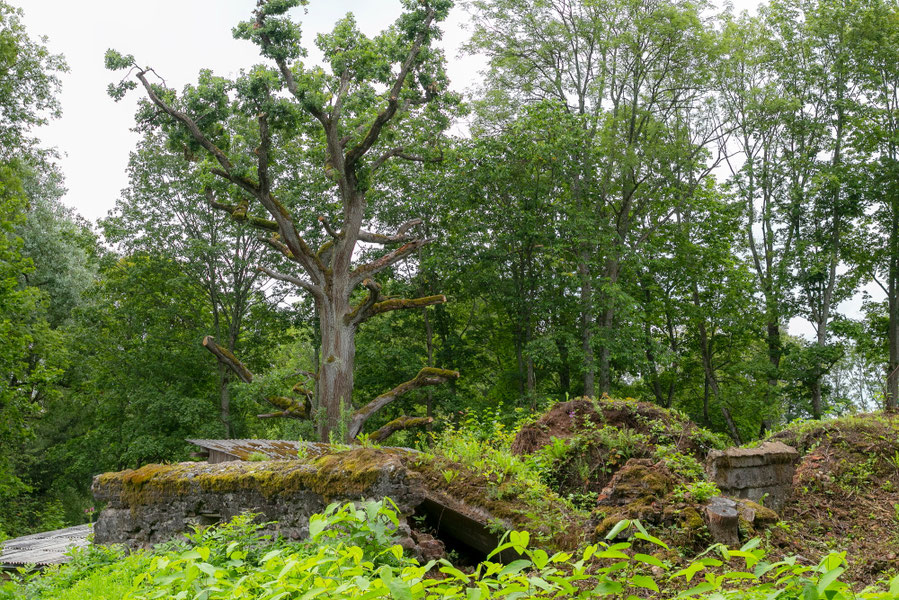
470, 540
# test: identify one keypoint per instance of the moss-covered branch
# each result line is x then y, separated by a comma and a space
287, 407
398, 424
290, 408
227, 358
238, 212
426, 377
405, 303
362, 310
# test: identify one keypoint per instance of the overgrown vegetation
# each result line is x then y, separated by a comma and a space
352, 553
845, 492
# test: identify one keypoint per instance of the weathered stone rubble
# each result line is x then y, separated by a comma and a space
157, 502
763, 474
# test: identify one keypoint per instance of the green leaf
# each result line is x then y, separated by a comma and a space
618, 528
810, 592
828, 578
644, 582
519, 540
399, 589
651, 539
607, 587
514, 567
649, 560
699, 589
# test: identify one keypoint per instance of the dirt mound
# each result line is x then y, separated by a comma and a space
562, 421
639, 481
588, 441
845, 493
583, 416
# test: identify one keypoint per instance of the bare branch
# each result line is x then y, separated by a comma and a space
327, 225
360, 313
398, 152
426, 377
301, 283
401, 235
381, 263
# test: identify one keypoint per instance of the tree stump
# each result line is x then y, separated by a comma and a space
724, 521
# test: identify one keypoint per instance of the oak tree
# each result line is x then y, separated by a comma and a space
375, 100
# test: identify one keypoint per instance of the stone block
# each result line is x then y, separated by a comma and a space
763, 474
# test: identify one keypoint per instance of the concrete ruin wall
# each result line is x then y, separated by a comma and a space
157, 502
763, 474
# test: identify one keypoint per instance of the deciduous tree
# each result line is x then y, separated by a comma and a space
378, 99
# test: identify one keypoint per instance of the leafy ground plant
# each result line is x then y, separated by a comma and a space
352, 554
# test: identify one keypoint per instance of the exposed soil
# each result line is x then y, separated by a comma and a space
845, 494
604, 434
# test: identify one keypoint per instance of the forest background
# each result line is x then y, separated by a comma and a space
637, 200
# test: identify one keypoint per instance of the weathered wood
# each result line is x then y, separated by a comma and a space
724, 521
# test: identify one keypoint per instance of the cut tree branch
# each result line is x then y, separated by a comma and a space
239, 213
275, 243
402, 234
289, 407
426, 377
404, 303
227, 358
381, 263
398, 424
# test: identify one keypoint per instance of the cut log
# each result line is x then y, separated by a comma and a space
724, 522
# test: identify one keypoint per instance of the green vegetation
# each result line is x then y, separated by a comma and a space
352, 553
592, 279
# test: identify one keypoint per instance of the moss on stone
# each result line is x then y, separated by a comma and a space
341, 474
692, 520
